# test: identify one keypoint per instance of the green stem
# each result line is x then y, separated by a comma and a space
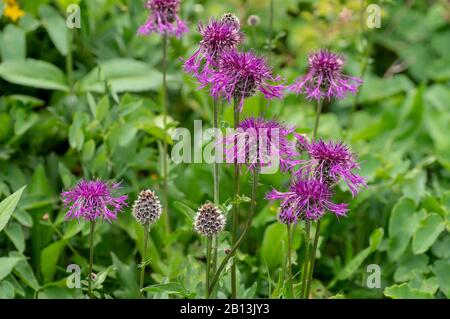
241, 238
208, 264
69, 61
271, 14
291, 280
305, 261
318, 112
236, 205
144, 254
165, 108
216, 184
313, 258
91, 257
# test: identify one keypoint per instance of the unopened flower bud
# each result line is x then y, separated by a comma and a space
209, 220
147, 207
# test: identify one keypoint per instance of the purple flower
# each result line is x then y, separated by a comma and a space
307, 199
330, 161
217, 37
163, 18
240, 75
92, 200
325, 78
257, 142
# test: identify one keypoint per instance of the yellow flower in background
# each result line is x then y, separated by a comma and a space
12, 10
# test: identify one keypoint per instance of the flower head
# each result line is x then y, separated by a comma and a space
257, 142
163, 18
217, 37
307, 199
325, 78
147, 207
231, 19
240, 75
12, 10
92, 200
209, 220
330, 161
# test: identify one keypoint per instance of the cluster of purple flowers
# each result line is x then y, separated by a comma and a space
234, 75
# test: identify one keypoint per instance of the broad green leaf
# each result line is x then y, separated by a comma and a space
7, 207
402, 224
441, 269
170, 288
403, 291
88, 150
15, 234
7, 264
49, 259
56, 28
24, 271
124, 75
7, 290
127, 276
23, 218
430, 285
54, 292
410, 266
34, 73
375, 239
428, 231
441, 247
411, 117
13, 45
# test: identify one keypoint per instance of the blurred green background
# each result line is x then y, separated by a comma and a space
87, 102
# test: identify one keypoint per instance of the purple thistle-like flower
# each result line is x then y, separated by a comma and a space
330, 161
92, 200
325, 78
307, 199
257, 142
217, 37
163, 18
240, 75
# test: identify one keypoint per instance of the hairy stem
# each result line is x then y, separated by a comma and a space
144, 254
208, 264
236, 205
165, 110
291, 280
318, 112
313, 258
216, 184
305, 261
91, 257
243, 235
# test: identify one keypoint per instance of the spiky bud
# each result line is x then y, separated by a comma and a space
231, 19
253, 20
209, 220
147, 207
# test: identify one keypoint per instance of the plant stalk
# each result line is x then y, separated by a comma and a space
291, 280
208, 264
318, 112
236, 205
91, 257
305, 261
241, 238
165, 111
144, 256
216, 183
313, 258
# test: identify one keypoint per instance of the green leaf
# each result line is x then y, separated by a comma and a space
123, 75
410, 266
411, 118
56, 28
34, 73
7, 290
15, 234
428, 231
88, 150
403, 291
170, 288
127, 276
441, 269
7, 207
402, 224
441, 247
7, 264
13, 45
24, 271
54, 292
49, 259
354, 264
